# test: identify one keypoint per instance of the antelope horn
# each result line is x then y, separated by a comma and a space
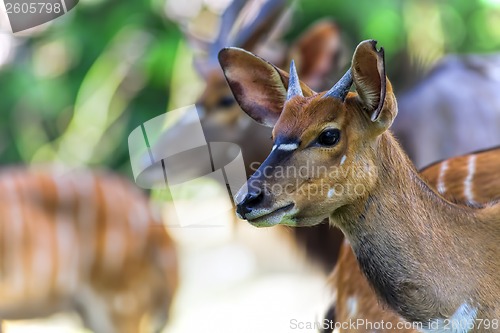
294, 88
341, 88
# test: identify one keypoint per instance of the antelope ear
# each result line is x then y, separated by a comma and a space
260, 88
375, 91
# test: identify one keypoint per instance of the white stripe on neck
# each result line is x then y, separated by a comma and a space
442, 172
469, 195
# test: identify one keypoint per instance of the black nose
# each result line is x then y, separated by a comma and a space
251, 200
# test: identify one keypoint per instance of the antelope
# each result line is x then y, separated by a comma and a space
354, 298
87, 242
416, 248
319, 51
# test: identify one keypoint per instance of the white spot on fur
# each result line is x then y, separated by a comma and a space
442, 172
288, 146
460, 322
469, 195
352, 306
331, 192
342, 161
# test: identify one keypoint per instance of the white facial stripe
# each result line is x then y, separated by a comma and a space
469, 195
442, 172
342, 161
288, 146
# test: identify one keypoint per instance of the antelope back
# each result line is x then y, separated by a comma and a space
459, 94
82, 241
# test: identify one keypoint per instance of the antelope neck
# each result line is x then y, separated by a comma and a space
411, 243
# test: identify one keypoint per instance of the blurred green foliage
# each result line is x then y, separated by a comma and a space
75, 89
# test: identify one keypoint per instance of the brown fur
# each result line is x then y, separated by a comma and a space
417, 249
349, 282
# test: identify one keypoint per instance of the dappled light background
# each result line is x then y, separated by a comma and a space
73, 89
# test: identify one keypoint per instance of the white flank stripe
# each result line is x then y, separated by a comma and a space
138, 219
42, 261
442, 172
65, 236
469, 195
114, 242
87, 216
288, 146
13, 242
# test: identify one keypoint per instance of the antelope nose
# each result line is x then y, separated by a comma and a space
249, 202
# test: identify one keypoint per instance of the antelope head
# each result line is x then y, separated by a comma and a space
325, 144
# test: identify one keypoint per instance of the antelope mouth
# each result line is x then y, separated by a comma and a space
270, 217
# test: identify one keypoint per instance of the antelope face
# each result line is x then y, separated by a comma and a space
221, 116
324, 144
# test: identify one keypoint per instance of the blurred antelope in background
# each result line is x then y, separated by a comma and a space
353, 297
434, 262
87, 242
450, 95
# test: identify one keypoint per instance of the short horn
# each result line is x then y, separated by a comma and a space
341, 88
294, 88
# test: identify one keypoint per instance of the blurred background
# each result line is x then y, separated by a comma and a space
73, 89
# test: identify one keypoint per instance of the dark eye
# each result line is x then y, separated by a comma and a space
329, 137
226, 101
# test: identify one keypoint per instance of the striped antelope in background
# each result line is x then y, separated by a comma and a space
83, 241
456, 179
434, 262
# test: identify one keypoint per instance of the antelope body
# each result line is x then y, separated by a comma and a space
86, 242
432, 261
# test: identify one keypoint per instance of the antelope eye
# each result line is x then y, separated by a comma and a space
226, 101
329, 137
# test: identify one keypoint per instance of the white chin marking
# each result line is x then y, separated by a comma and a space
287, 146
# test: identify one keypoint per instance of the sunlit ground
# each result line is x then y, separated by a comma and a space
244, 280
